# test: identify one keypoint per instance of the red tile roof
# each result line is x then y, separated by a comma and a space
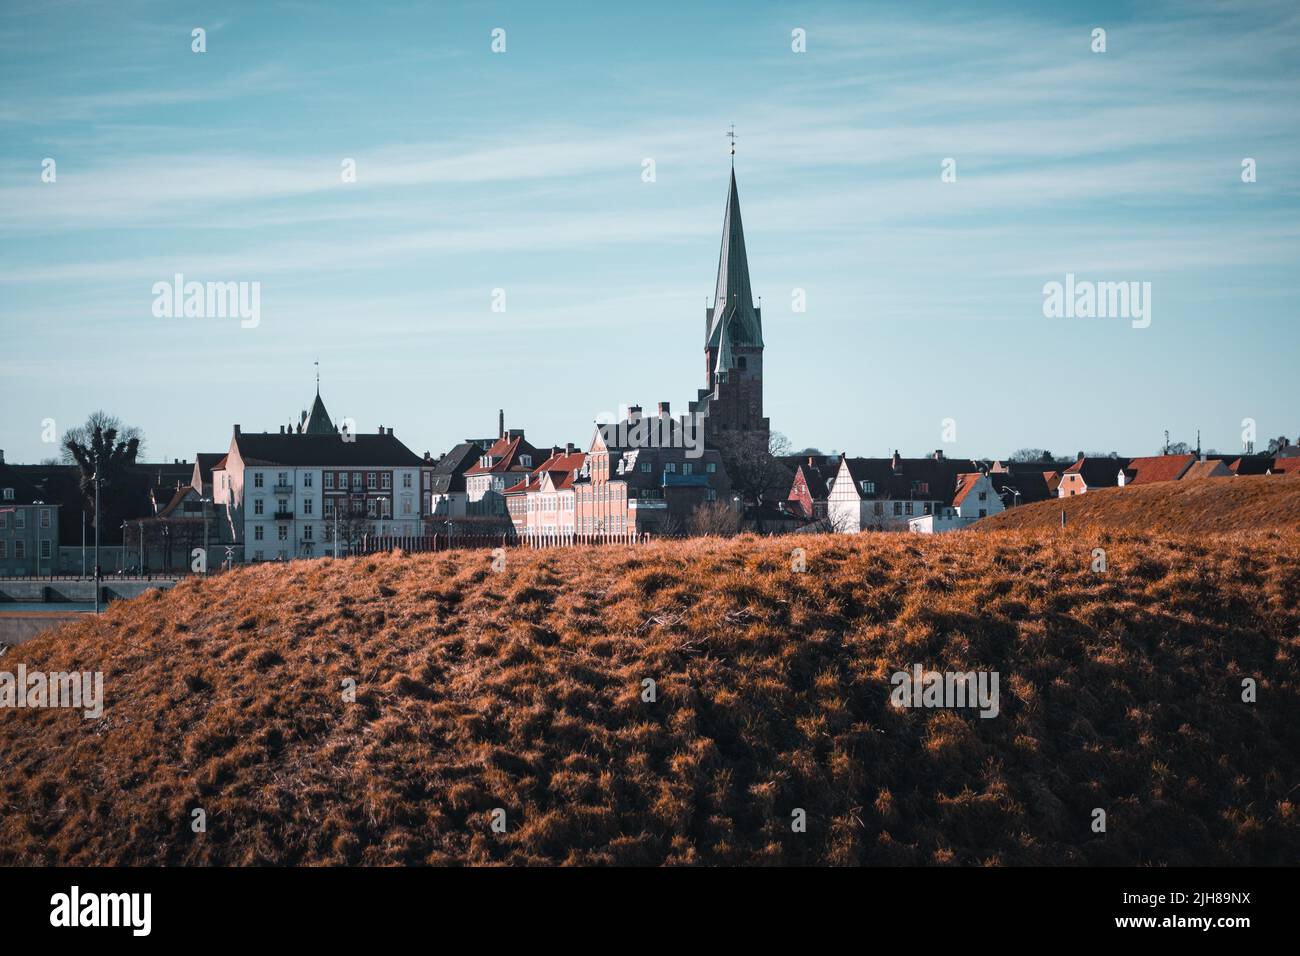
1286, 466
965, 484
1144, 471
506, 452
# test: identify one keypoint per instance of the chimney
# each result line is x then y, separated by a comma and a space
501, 423
895, 460
810, 464
2, 456
568, 450
663, 409
236, 429
281, 429
938, 454
634, 413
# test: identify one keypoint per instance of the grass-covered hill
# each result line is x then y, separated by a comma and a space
1203, 506
523, 690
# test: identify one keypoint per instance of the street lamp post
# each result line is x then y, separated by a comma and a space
98, 462
204, 503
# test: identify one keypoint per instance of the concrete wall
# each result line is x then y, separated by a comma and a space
75, 591
19, 626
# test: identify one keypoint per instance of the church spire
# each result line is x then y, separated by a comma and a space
733, 313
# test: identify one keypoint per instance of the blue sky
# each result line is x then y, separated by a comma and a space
523, 171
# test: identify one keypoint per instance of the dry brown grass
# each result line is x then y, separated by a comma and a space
521, 690
1204, 506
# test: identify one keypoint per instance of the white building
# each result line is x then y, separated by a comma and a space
290, 494
885, 494
974, 498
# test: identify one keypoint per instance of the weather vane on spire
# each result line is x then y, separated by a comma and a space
731, 135
317, 364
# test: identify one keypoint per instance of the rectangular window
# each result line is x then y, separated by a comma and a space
329, 480
257, 555
898, 508
909, 507
257, 506
406, 506
386, 480
4, 549
306, 479
20, 549
306, 533
258, 533
4, 520
306, 506
257, 479
357, 480
329, 507
283, 479
283, 532
370, 508
406, 480
20, 520
686, 468
711, 467
45, 517
878, 510
370, 481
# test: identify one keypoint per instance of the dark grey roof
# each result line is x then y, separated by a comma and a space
204, 460
449, 473
733, 320
26, 492
303, 449
1032, 486
932, 479
318, 420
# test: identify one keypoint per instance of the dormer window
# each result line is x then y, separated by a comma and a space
868, 487
9, 494
526, 460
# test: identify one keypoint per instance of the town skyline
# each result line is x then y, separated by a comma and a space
923, 297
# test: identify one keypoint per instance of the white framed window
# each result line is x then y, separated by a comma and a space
257, 506
306, 506
370, 481
257, 479
45, 549
258, 533
406, 480
329, 480
386, 480
306, 479
283, 532
45, 517
9, 494
306, 533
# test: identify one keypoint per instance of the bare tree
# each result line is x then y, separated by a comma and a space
111, 456
84, 434
754, 466
715, 518
1034, 455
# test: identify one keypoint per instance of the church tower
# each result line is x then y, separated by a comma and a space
733, 341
